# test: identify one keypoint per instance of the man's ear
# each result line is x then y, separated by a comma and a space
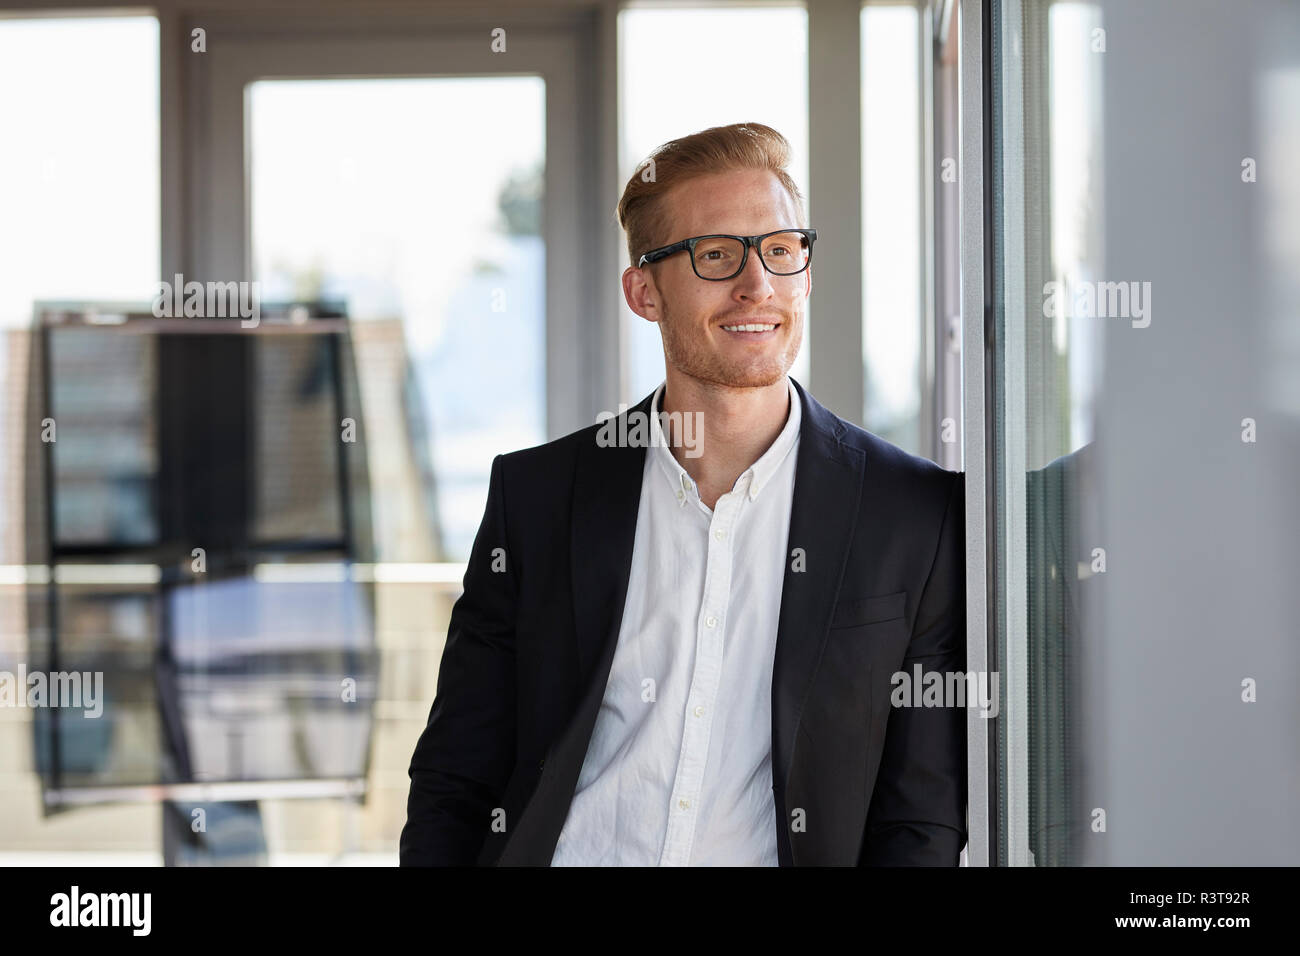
641, 295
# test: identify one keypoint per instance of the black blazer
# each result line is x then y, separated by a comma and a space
531, 640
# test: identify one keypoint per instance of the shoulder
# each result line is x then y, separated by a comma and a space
911, 481
888, 470
540, 462
887, 457
549, 468
561, 455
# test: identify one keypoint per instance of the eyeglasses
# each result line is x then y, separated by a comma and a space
786, 252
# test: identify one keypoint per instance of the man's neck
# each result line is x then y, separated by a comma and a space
734, 427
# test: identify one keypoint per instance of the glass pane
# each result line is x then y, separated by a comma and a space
107, 639
79, 171
231, 667
255, 677
79, 220
105, 448
1046, 164
438, 256
709, 49
891, 224
296, 469
1144, 453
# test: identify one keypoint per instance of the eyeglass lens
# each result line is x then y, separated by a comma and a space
785, 253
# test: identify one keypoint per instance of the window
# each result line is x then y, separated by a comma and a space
437, 256
79, 175
717, 49
892, 254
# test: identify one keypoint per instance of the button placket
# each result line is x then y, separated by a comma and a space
710, 643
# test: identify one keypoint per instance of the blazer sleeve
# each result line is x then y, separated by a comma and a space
466, 752
917, 815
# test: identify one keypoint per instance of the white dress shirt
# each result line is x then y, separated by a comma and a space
679, 767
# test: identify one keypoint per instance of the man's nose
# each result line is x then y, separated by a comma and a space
754, 281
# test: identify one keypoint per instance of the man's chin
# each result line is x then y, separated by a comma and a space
746, 378
760, 381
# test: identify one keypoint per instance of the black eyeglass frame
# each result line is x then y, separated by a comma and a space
663, 252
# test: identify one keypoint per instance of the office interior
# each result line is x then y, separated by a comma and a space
1058, 249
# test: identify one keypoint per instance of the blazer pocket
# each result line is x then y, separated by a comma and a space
856, 612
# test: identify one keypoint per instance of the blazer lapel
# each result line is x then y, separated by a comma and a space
606, 499
827, 490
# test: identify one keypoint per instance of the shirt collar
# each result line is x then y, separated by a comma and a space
759, 474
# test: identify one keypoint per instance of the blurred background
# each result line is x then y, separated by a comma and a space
256, 534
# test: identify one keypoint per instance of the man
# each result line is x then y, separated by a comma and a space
677, 635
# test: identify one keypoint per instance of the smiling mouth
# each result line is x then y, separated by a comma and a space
750, 328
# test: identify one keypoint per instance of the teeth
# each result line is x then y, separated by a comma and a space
749, 328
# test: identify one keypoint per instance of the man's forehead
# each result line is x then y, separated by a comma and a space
746, 202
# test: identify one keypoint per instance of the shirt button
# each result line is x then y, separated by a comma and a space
681, 495
684, 804
719, 534
699, 711
711, 621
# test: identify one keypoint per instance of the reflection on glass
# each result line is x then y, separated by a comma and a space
270, 680
1047, 201
105, 448
230, 640
1062, 500
1076, 197
297, 492
1143, 529
110, 631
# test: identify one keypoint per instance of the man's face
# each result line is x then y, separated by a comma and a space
693, 313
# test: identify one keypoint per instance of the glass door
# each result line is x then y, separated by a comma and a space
1141, 531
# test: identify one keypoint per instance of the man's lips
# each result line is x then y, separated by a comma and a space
751, 329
